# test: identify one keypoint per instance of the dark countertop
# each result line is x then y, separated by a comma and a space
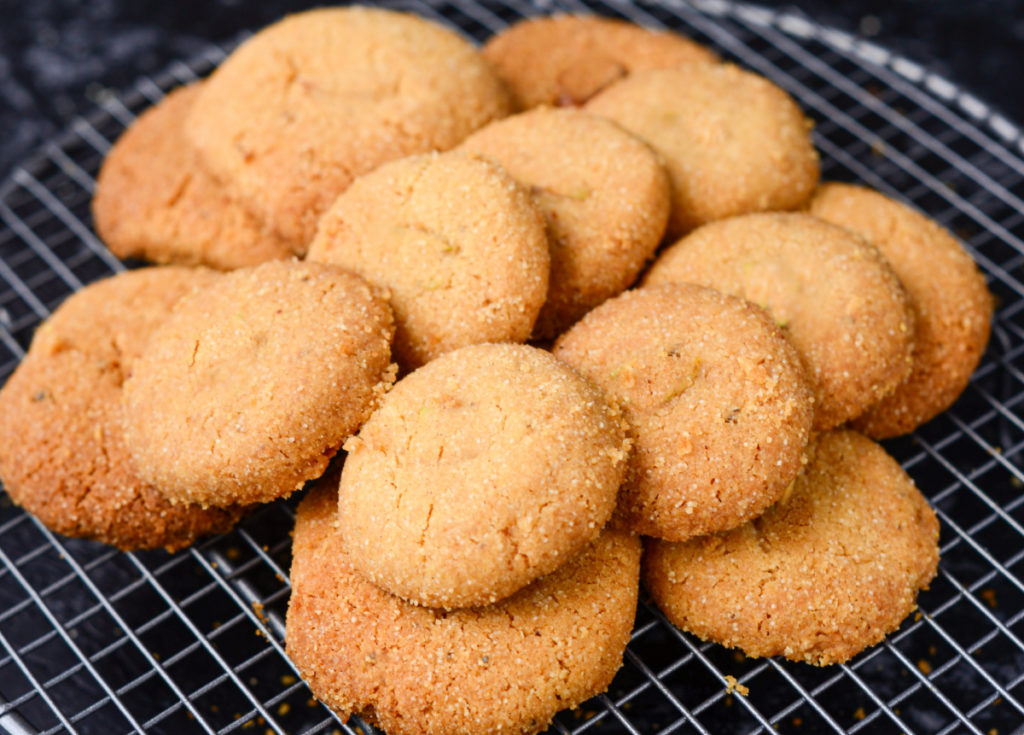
56, 55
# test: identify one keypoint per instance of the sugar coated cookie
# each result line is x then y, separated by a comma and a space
413, 670
481, 471
826, 572
719, 404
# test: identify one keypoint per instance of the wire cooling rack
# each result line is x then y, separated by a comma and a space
93, 640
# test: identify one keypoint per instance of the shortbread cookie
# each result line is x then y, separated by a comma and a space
250, 387
826, 572
481, 471
604, 195
719, 404
412, 670
832, 294
947, 293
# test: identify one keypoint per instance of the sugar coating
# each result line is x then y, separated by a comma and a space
604, 195
412, 670
733, 142
834, 296
480, 472
62, 451
951, 303
313, 101
249, 388
567, 59
457, 242
823, 574
154, 201
719, 404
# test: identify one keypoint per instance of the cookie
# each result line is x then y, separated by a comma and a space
305, 106
733, 142
481, 471
831, 292
457, 242
947, 293
604, 195
62, 451
250, 387
719, 404
412, 670
567, 59
826, 572
155, 202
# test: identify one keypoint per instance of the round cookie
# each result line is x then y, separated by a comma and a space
832, 294
306, 105
481, 471
154, 201
719, 404
823, 574
62, 451
604, 195
947, 293
249, 388
733, 142
412, 670
567, 59
458, 243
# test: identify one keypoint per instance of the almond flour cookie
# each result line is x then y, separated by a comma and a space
249, 388
720, 407
604, 195
567, 59
733, 142
154, 201
832, 294
62, 451
306, 105
412, 670
458, 243
947, 293
824, 573
481, 471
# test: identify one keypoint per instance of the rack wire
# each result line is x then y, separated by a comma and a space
94, 640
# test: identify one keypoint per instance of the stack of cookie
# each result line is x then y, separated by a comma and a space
474, 565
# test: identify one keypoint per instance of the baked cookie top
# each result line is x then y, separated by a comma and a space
833, 294
604, 195
717, 398
567, 59
62, 451
824, 573
249, 388
457, 242
951, 304
733, 142
481, 471
309, 103
413, 670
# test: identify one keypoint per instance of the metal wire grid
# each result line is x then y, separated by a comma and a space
93, 640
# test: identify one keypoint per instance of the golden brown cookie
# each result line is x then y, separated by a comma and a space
413, 670
456, 241
604, 195
832, 294
250, 387
481, 471
154, 201
306, 105
719, 404
567, 59
62, 451
733, 142
823, 574
947, 293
